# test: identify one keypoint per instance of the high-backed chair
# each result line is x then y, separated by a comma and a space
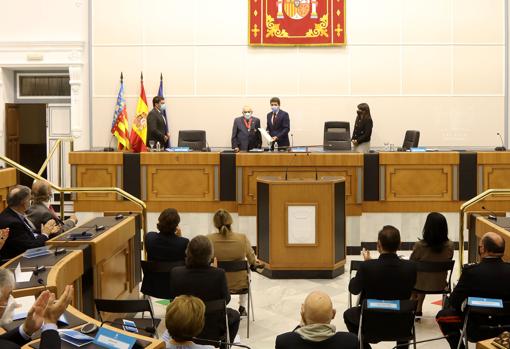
194, 139
337, 135
411, 139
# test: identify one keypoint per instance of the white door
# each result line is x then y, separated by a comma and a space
58, 121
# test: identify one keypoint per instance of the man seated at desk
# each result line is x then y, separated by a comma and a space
42, 315
245, 132
23, 233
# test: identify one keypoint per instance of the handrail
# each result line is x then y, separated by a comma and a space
119, 191
464, 207
58, 144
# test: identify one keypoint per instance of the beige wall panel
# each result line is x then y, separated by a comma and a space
324, 71
426, 21
221, 22
477, 21
117, 22
177, 63
272, 70
375, 70
109, 62
478, 70
220, 70
373, 21
169, 22
426, 70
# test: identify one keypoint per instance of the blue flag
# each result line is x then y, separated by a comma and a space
160, 94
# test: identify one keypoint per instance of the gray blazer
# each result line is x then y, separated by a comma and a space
244, 138
40, 214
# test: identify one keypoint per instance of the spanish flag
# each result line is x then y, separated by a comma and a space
120, 125
138, 136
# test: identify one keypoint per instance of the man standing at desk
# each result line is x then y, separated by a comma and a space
245, 132
156, 123
278, 124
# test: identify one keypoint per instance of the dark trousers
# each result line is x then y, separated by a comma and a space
233, 323
450, 322
351, 319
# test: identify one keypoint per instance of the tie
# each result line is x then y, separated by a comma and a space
274, 118
29, 224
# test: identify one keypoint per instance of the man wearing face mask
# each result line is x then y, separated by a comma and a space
278, 124
245, 133
156, 123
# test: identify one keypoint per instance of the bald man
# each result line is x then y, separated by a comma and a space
487, 279
245, 131
316, 330
40, 212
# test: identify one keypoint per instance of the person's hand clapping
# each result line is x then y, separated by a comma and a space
57, 307
35, 316
366, 254
4, 234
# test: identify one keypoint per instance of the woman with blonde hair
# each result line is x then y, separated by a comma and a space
231, 246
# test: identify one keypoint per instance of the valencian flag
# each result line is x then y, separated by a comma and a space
163, 112
120, 125
296, 22
138, 136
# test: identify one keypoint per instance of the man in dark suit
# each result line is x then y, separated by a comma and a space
316, 330
198, 278
22, 232
41, 211
245, 132
278, 124
42, 315
156, 123
387, 277
487, 279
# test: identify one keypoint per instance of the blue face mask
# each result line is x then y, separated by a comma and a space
275, 108
162, 107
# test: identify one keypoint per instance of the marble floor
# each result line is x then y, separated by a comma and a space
277, 306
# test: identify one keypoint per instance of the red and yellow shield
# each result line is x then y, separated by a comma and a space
296, 22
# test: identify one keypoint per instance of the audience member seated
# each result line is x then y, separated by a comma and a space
22, 232
41, 211
434, 247
230, 246
168, 245
316, 330
184, 320
387, 277
487, 279
43, 315
198, 278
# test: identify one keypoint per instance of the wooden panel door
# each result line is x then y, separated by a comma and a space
12, 115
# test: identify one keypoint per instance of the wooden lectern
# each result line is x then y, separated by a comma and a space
301, 227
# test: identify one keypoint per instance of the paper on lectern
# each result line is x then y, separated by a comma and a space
265, 135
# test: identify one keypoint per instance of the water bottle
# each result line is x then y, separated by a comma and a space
158, 147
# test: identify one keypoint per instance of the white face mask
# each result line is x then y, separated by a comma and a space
8, 313
247, 115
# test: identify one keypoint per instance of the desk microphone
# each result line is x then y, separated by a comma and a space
109, 148
292, 140
220, 343
502, 148
39, 269
492, 215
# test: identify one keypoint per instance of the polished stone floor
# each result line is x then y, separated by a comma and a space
277, 305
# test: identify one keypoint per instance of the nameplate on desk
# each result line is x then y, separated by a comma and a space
113, 340
485, 302
383, 304
299, 150
37, 252
179, 149
418, 150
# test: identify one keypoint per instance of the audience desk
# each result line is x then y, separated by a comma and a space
8, 179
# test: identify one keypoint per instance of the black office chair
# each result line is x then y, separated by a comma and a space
235, 266
411, 139
194, 139
385, 325
437, 267
156, 278
353, 268
146, 327
216, 323
483, 322
337, 135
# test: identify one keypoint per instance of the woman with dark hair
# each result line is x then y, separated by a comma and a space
434, 247
362, 129
168, 245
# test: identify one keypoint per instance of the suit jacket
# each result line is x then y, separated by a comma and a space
233, 247
422, 252
20, 237
243, 138
487, 279
156, 127
165, 247
341, 340
387, 277
362, 130
280, 128
13, 340
40, 214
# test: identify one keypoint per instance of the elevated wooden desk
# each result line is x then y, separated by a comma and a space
7, 180
499, 226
